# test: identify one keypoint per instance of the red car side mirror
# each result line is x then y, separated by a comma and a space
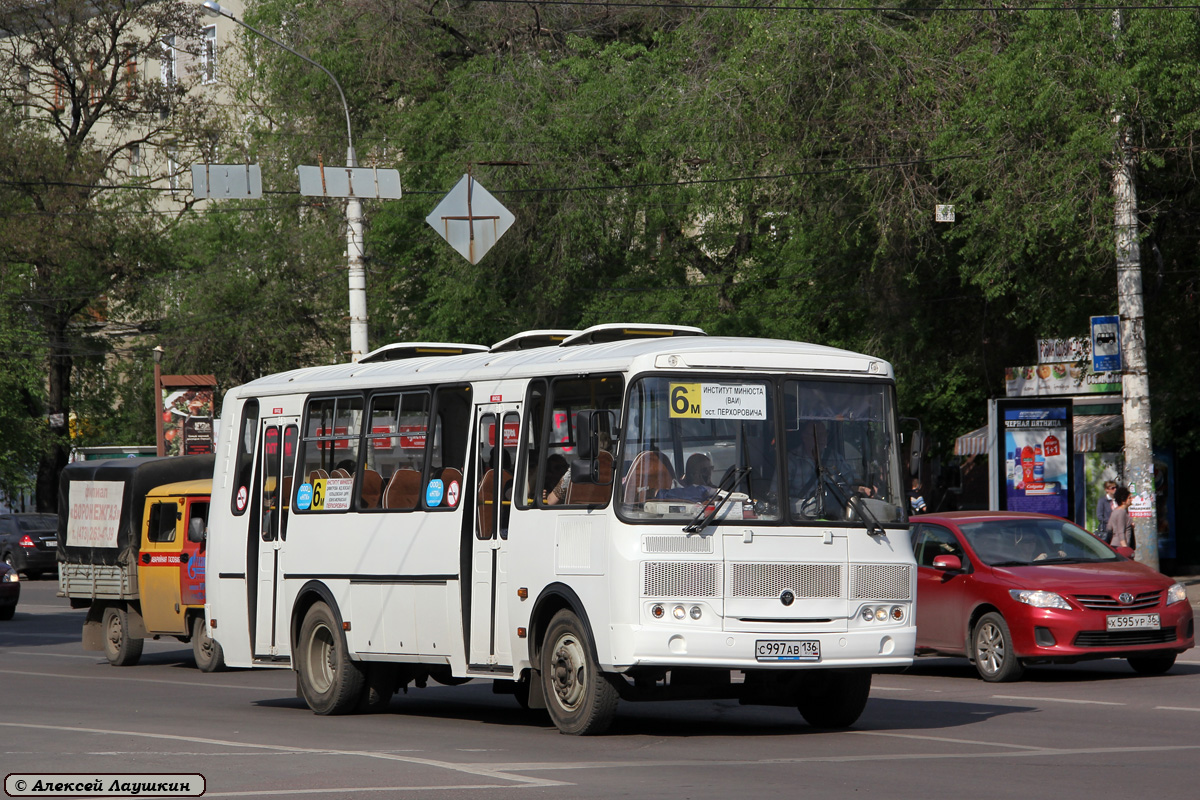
1124, 551
948, 563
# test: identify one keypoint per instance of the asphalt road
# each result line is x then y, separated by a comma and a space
1085, 731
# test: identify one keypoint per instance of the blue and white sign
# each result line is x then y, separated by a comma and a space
1106, 344
433, 493
304, 496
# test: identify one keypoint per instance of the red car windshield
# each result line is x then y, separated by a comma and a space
1019, 542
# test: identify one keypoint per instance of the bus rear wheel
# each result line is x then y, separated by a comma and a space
208, 654
580, 698
834, 698
119, 648
330, 682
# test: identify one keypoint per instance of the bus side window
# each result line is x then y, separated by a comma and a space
329, 453
244, 463
447, 450
531, 470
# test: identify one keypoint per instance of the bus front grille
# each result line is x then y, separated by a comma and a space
881, 582
681, 579
770, 580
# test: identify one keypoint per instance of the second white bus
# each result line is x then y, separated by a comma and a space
622, 513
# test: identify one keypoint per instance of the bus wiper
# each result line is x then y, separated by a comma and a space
846, 497
709, 512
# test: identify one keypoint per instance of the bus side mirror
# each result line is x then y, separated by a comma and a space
916, 452
587, 434
195, 532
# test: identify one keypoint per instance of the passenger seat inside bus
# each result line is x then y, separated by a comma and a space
403, 489
372, 488
649, 474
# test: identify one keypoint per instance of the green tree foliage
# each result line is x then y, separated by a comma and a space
760, 171
74, 102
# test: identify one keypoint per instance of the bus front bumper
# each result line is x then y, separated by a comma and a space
680, 646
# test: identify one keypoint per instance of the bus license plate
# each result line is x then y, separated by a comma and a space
785, 650
1133, 622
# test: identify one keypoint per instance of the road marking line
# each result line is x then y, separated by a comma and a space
192, 684
357, 789
498, 772
1055, 700
96, 657
1174, 708
1040, 753
39, 635
892, 689
950, 739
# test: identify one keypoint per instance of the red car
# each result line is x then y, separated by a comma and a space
1007, 589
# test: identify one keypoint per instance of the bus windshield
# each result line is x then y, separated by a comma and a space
693, 443
841, 457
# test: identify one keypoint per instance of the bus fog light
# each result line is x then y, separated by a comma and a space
657, 611
868, 613
897, 613
696, 612
679, 612
881, 614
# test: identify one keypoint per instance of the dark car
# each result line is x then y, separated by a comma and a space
28, 543
1008, 589
10, 592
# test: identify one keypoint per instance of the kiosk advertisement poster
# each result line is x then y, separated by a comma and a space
1036, 448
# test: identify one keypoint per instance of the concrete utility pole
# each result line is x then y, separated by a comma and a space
354, 212
1135, 378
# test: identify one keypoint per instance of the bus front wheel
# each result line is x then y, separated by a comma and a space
208, 654
834, 698
330, 682
120, 649
579, 697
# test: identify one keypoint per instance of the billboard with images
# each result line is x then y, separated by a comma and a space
1035, 445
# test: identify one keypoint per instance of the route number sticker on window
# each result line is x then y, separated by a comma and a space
718, 400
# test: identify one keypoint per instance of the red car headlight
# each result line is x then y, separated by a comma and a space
1039, 598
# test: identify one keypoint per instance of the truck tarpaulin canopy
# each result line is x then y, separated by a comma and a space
1088, 430
100, 504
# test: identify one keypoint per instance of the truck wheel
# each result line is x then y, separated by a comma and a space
208, 654
834, 698
579, 697
330, 681
121, 650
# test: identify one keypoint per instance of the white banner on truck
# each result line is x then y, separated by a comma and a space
95, 513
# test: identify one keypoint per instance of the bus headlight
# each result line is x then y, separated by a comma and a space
888, 613
695, 612
679, 612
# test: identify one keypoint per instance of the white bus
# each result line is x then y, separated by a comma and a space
730, 524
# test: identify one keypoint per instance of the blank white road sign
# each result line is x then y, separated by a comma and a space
470, 219
366, 183
227, 181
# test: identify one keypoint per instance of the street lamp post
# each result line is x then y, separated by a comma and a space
159, 442
354, 215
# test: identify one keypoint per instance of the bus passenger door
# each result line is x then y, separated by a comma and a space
278, 458
497, 436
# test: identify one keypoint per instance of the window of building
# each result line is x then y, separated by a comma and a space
131, 73
170, 61
208, 55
